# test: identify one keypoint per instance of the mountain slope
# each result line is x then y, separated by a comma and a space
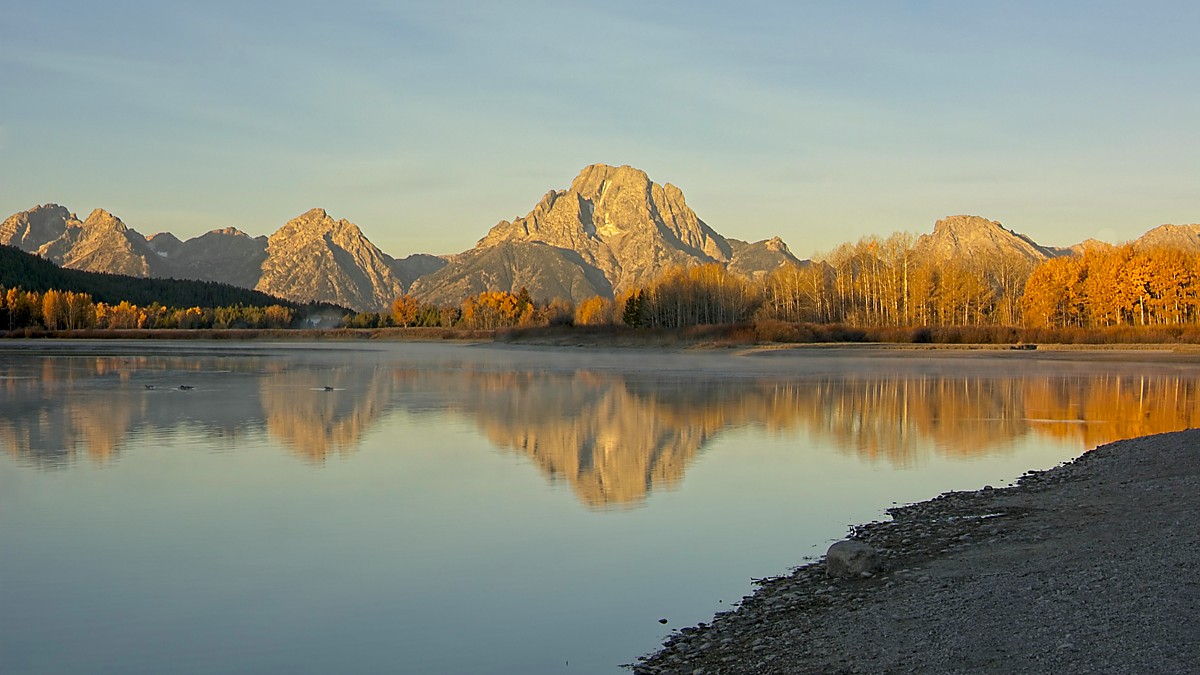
415, 266
1182, 237
30, 230
227, 255
33, 273
316, 258
980, 240
105, 244
622, 223
614, 220
102, 243
759, 259
545, 271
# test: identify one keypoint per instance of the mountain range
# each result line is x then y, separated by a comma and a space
613, 229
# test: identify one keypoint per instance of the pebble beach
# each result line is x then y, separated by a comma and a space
1088, 567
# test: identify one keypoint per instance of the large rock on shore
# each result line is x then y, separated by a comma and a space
851, 560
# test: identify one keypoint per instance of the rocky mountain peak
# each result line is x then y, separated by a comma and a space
599, 182
966, 227
102, 243
1183, 237
757, 260
226, 255
316, 258
104, 219
30, 230
310, 222
164, 243
978, 238
1088, 245
776, 244
316, 223
47, 211
613, 227
225, 232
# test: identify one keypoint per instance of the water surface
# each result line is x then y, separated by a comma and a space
204, 507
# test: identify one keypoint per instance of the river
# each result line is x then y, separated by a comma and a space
201, 507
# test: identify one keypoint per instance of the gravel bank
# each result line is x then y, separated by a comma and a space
1089, 567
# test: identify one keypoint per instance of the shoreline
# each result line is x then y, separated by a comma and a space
701, 338
1086, 567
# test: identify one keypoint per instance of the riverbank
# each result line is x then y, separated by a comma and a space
1088, 567
769, 335
258, 334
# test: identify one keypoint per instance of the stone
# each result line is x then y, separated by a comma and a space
851, 560
314, 258
979, 239
612, 230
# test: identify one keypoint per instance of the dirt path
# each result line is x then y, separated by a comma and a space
1090, 567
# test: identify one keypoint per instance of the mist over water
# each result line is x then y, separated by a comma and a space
453, 508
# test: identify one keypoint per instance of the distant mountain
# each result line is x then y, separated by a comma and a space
164, 244
757, 260
1087, 245
227, 255
980, 240
316, 258
313, 258
30, 230
1182, 237
543, 270
102, 243
416, 266
611, 230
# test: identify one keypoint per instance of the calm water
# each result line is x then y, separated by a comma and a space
470, 509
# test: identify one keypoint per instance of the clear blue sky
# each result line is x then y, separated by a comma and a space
427, 122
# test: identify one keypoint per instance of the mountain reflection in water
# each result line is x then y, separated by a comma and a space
614, 437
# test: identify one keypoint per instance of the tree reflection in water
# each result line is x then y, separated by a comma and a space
614, 437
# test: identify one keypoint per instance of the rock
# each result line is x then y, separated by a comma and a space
978, 239
102, 243
1178, 237
850, 560
227, 255
316, 258
612, 230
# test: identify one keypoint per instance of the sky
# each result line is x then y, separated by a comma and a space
425, 123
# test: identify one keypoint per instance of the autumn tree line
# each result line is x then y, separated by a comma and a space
873, 283
69, 310
881, 283
1120, 287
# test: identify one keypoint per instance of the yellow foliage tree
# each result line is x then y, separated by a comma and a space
595, 311
54, 310
405, 310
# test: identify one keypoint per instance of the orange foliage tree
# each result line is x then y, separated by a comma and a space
1122, 286
405, 310
595, 311
497, 309
708, 294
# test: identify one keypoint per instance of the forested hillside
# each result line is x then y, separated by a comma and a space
22, 270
